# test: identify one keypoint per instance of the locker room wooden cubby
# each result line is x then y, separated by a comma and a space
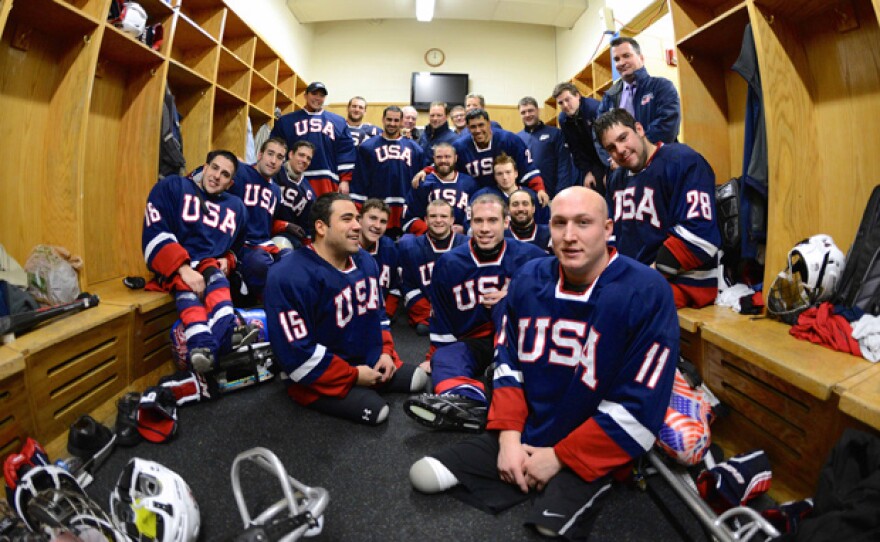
82, 105
820, 77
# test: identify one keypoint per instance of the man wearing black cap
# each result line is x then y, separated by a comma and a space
333, 162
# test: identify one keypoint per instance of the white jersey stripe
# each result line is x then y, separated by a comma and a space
628, 423
689, 236
310, 364
151, 246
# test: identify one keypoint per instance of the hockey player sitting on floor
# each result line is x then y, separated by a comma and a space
327, 322
417, 255
587, 345
374, 223
467, 284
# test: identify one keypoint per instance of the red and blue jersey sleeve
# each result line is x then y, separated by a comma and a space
163, 251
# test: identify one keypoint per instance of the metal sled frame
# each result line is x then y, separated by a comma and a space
750, 524
316, 498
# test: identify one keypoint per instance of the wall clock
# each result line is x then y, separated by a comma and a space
434, 57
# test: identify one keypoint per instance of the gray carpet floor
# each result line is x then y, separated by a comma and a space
363, 468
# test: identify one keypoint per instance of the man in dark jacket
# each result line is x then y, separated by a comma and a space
437, 131
548, 147
576, 121
652, 101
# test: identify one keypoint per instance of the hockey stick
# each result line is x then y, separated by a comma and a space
15, 323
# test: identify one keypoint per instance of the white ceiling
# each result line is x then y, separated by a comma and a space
561, 13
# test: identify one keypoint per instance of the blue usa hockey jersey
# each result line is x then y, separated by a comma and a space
386, 258
538, 235
542, 214
324, 322
479, 163
665, 214
182, 223
456, 191
365, 131
296, 200
384, 170
552, 157
261, 197
334, 156
590, 373
459, 283
416, 258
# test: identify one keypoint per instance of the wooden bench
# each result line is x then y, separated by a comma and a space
154, 313
691, 320
81, 363
16, 423
860, 397
72, 365
782, 393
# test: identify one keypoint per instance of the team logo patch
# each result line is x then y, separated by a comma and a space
646, 99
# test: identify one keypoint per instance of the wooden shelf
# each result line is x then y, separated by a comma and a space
63, 20
239, 38
714, 96
193, 96
128, 87
91, 9
259, 117
159, 12
690, 15
283, 102
121, 48
300, 98
233, 75
286, 79
225, 98
195, 49
820, 91
584, 80
46, 67
207, 15
718, 37
266, 62
262, 93
602, 67
229, 123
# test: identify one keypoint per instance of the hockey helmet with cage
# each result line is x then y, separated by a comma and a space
152, 502
814, 267
73, 511
39, 480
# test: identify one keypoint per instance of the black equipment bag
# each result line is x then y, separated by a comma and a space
860, 284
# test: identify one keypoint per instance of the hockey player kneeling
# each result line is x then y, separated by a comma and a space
327, 322
585, 361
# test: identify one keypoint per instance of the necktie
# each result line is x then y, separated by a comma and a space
626, 99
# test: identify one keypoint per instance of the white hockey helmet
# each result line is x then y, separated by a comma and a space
815, 265
133, 19
152, 502
820, 265
36, 481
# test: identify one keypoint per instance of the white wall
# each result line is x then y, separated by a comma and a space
273, 21
376, 59
576, 46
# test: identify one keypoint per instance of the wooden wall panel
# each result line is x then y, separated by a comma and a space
44, 84
820, 85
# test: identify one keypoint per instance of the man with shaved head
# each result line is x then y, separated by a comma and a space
584, 365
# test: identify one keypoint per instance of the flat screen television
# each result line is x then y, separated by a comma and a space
437, 87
